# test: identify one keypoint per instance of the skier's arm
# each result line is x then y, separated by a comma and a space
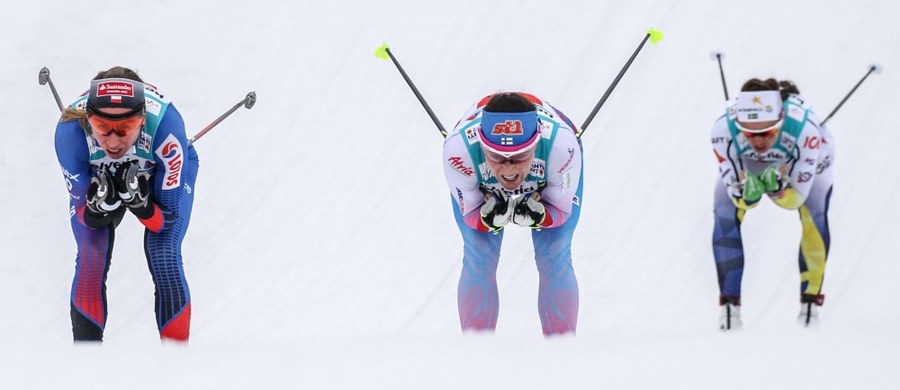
169, 154
462, 183
730, 168
73, 156
563, 178
801, 172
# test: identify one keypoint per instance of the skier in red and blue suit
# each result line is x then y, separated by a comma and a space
122, 146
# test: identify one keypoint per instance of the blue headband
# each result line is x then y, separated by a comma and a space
509, 133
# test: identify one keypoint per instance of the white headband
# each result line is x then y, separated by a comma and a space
758, 106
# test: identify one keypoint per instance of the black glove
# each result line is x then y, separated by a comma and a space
103, 204
496, 210
101, 196
529, 211
133, 188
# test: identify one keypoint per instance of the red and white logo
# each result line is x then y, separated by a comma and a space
457, 164
172, 155
811, 142
116, 89
509, 128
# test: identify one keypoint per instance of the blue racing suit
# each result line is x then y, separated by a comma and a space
163, 152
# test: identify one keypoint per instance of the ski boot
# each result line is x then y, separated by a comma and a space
809, 310
730, 319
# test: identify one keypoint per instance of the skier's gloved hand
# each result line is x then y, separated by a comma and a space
529, 211
752, 188
771, 180
101, 196
134, 189
496, 210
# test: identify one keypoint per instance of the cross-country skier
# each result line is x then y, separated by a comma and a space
770, 143
515, 160
122, 147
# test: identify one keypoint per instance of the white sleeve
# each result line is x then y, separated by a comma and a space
729, 161
460, 175
803, 171
563, 171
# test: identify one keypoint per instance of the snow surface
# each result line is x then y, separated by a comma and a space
322, 251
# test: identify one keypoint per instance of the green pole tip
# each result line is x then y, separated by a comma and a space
655, 35
381, 51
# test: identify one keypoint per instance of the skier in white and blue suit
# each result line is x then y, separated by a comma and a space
122, 146
515, 160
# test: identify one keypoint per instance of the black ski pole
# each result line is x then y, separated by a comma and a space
718, 56
654, 36
247, 102
384, 52
44, 78
872, 69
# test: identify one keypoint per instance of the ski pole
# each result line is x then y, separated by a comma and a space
872, 69
654, 36
247, 102
718, 56
44, 78
384, 52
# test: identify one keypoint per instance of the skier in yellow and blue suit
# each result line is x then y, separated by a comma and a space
769, 142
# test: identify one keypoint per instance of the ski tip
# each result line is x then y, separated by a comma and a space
381, 51
655, 35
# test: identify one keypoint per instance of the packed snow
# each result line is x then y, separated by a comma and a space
322, 252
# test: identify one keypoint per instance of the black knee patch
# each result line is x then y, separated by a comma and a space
83, 329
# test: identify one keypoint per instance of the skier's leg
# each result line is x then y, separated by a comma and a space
728, 249
477, 296
558, 288
816, 238
87, 305
163, 250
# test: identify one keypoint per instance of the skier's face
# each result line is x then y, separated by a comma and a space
115, 136
510, 172
762, 135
